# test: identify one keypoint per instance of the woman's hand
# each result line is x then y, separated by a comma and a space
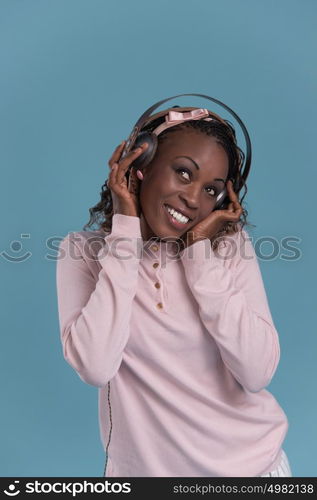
212, 224
125, 199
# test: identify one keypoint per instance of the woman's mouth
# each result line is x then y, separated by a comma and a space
177, 220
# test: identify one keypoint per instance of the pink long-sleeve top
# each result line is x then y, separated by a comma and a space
181, 345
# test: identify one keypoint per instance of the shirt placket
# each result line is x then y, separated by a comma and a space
157, 282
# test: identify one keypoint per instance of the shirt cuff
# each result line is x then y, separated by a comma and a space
126, 225
200, 252
125, 239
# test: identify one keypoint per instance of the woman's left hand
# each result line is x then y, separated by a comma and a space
209, 227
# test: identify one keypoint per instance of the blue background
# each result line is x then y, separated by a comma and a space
75, 77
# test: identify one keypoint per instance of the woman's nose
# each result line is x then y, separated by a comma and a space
191, 198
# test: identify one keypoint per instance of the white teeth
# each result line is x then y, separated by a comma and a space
181, 218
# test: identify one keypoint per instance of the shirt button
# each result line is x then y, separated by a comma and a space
156, 264
154, 248
157, 285
159, 305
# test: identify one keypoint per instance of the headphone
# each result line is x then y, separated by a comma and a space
137, 137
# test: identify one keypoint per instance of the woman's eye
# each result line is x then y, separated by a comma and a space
213, 191
183, 170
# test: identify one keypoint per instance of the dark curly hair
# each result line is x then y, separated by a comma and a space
102, 212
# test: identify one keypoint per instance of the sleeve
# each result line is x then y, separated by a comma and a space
94, 316
234, 309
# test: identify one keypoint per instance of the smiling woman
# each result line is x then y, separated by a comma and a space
178, 338
172, 179
208, 151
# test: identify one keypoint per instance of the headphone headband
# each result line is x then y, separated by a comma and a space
145, 117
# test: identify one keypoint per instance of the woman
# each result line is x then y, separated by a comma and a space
163, 308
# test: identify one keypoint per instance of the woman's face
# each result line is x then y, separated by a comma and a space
171, 180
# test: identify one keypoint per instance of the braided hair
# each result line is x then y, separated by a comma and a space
102, 213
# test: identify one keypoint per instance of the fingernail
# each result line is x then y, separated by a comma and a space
139, 174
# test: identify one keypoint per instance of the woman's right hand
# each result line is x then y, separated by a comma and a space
125, 199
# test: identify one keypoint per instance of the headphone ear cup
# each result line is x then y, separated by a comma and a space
223, 203
147, 156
